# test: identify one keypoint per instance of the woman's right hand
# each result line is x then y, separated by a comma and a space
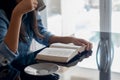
25, 6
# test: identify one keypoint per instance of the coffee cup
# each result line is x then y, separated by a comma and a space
41, 5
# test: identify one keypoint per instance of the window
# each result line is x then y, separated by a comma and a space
81, 18
77, 18
116, 37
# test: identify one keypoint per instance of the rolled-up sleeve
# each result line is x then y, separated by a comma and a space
5, 53
44, 32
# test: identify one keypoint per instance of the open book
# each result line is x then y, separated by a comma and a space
59, 52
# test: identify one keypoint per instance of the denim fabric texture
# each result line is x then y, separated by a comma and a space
16, 62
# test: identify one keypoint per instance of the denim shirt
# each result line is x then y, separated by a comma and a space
6, 55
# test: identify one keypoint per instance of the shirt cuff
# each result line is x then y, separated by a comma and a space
47, 36
7, 53
3, 61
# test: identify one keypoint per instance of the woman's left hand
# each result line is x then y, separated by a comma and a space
67, 39
81, 42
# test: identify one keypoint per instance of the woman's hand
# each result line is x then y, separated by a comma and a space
67, 39
25, 6
81, 42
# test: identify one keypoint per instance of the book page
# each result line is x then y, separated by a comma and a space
56, 54
61, 52
62, 45
69, 46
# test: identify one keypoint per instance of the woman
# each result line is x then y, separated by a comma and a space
18, 26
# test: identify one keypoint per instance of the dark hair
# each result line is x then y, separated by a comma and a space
8, 6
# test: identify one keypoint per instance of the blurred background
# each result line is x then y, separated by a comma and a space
81, 18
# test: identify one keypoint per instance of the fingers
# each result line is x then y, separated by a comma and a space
34, 4
30, 4
82, 42
25, 6
77, 42
89, 46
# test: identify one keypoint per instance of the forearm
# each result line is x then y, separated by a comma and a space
12, 36
61, 39
67, 39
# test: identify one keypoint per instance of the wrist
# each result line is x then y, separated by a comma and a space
17, 13
61, 39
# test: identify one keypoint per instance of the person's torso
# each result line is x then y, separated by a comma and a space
23, 47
